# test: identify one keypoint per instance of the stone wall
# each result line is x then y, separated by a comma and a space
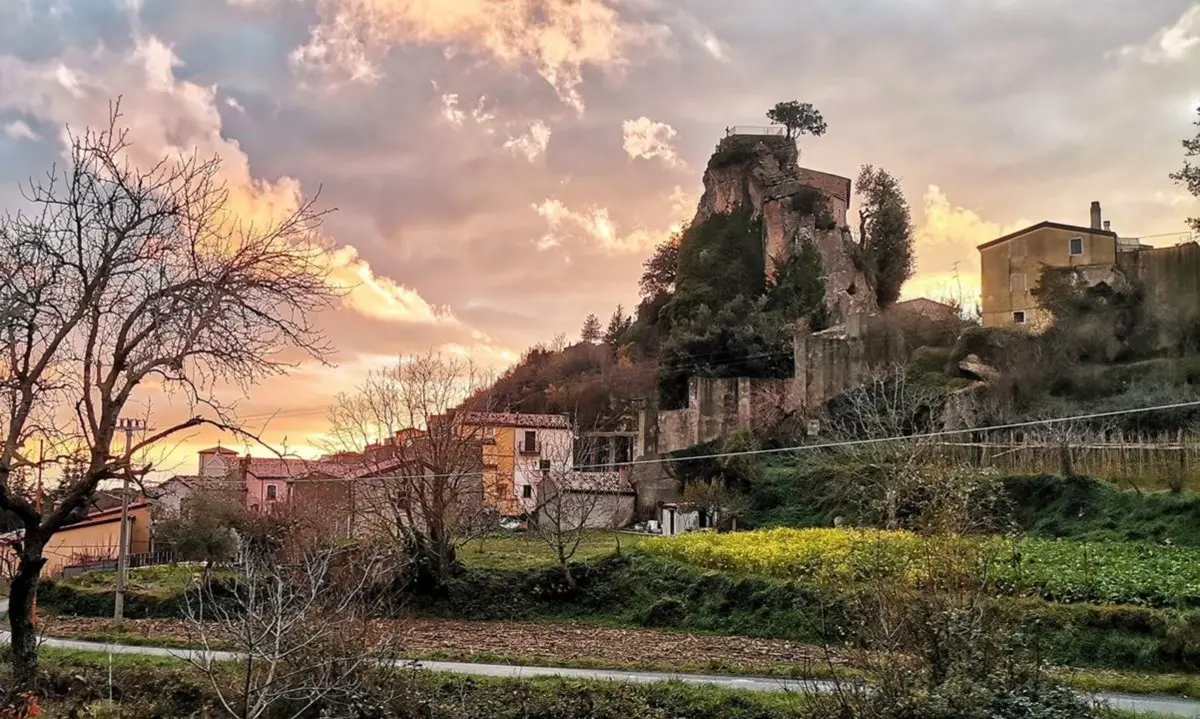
827, 363
653, 485
1171, 275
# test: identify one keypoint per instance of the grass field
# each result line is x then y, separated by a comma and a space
514, 551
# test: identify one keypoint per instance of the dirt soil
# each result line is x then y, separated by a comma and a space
541, 641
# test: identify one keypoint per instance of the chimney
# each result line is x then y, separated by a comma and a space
1097, 216
1107, 226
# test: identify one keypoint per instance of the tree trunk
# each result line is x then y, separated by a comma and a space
24, 647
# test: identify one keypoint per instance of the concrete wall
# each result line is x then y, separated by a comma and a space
1171, 275
827, 363
653, 486
1010, 270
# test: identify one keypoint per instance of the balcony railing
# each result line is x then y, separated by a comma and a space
768, 130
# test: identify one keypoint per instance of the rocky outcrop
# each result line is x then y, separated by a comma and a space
763, 172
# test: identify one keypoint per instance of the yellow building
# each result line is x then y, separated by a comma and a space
92, 540
1011, 266
517, 448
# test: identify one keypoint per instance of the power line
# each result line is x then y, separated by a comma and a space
806, 447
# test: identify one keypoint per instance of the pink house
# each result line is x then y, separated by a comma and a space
266, 480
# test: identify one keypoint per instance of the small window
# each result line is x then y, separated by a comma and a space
530, 442
1019, 317
271, 492
544, 465
1076, 246
1016, 283
527, 491
1017, 247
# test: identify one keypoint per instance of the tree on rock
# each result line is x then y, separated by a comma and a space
591, 329
1189, 176
885, 233
800, 118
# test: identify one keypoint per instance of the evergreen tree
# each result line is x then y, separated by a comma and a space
885, 233
618, 325
800, 118
591, 329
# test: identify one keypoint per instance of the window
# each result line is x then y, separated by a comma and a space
1017, 247
529, 442
527, 491
271, 492
544, 465
1019, 317
1016, 283
1076, 245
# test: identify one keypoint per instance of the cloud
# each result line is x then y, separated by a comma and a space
946, 247
1172, 44
18, 130
594, 226
531, 144
559, 38
380, 297
167, 117
647, 140
451, 111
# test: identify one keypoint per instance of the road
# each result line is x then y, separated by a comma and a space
1130, 702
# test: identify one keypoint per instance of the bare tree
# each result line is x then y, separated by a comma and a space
423, 455
118, 277
887, 416
572, 502
301, 633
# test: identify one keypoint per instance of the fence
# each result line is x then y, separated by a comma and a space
109, 564
1162, 460
769, 130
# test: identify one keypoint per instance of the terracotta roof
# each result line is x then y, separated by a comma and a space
1056, 225
218, 450
596, 483
926, 306
291, 468
514, 419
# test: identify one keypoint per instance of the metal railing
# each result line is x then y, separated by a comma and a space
767, 130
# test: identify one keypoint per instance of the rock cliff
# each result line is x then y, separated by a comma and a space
763, 172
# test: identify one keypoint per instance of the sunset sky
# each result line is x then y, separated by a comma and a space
501, 168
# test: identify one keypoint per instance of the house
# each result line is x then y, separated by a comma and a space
1011, 266
262, 484
517, 449
587, 500
95, 538
927, 309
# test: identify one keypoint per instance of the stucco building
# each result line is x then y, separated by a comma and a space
517, 449
95, 539
1011, 266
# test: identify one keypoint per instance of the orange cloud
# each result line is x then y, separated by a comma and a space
380, 297
595, 225
946, 240
557, 37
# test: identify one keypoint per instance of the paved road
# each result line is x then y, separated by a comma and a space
1129, 702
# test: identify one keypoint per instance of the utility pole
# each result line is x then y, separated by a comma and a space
129, 426
38, 506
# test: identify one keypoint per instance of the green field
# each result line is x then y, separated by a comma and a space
515, 551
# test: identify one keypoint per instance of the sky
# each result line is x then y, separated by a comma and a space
501, 168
